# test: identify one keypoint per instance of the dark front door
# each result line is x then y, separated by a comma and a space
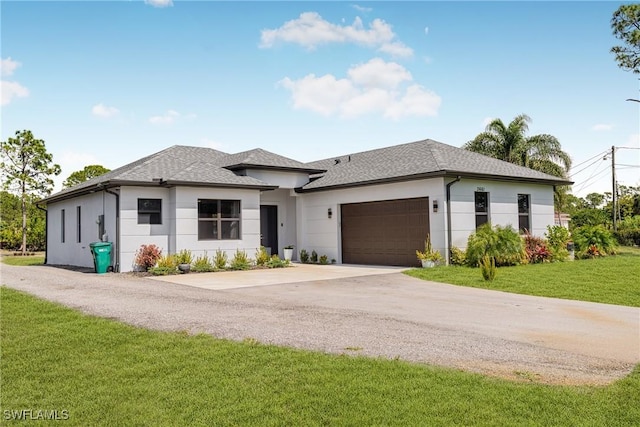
384, 233
269, 227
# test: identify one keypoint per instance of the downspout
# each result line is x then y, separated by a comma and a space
449, 238
46, 232
117, 266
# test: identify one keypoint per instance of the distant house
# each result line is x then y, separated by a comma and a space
372, 207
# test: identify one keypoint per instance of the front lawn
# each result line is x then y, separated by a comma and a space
611, 279
100, 372
23, 260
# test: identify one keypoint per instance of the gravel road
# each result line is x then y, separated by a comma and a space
390, 316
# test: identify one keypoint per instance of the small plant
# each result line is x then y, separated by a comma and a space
167, 261
304, 256
184, 257
488, 268
558, 237
262, 257
333, 260
240, 261
276, 262
536, 249
202, 264
147, 256
428, 254
314, 257
324, 260
457, 256
162, 271
503, 244
220, 260
587, 236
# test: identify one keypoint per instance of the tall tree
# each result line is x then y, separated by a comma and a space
626, 27
26, 167
85, 174
511, 143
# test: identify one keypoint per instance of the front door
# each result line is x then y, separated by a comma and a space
269, 228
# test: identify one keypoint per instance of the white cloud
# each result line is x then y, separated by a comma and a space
361, 8
602, 127
426, 31
373, 87
12, 90
101, 110
310, 30
159, 3
170, 117
486, 121
8, 66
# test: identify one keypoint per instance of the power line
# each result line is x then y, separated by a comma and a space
589, 159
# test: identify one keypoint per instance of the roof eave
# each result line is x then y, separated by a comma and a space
436, 174
240, 166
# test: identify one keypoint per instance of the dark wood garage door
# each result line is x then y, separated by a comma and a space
384, 233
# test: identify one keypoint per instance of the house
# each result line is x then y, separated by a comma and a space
372, 207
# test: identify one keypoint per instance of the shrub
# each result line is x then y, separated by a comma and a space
457, 256
557, 239
324, 260
501, 243
488, 268
276, 262
536, 249
240, 261
589, 238
167, 261
628, 233
202, 264
147, 256
314, 257
184, 257
220, 260
262, 257
162, 271
304, 256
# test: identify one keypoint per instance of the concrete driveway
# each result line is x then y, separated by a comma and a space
386, 315
297, 273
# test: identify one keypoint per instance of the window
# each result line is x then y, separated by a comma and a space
78, 225
482, 208
524, 213
218, 219
149, 211
62, 223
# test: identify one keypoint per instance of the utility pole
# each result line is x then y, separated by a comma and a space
613, 181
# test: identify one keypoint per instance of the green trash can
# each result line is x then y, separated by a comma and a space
101, 252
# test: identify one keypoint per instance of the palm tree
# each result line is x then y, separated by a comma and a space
510, 143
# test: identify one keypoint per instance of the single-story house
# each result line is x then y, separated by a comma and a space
372, 207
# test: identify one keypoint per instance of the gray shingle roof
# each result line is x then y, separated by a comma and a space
416, 159
263, 158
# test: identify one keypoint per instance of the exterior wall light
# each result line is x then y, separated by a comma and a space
435, 206
329, 213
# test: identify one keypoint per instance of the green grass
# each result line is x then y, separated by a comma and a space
23, 260
611, 279
104, 373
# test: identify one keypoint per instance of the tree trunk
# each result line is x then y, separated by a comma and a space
24, 221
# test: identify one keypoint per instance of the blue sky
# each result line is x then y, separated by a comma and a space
109, 82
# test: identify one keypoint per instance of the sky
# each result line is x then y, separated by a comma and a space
110, 82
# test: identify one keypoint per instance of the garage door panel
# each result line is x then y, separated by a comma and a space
384, 233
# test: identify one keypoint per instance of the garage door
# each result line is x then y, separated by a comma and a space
384, 233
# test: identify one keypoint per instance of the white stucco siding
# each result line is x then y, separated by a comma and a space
318, 232
72, 251
186, 213
283, 179
179, 228
503, 206
286, 204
